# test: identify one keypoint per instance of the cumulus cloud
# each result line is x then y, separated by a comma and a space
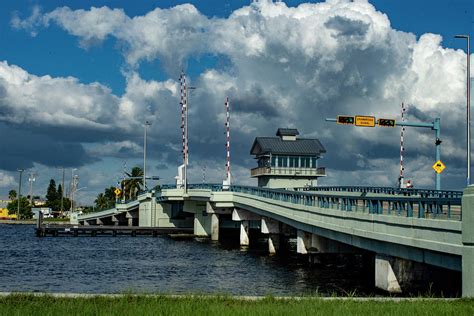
283, 66
6, 180
30, 99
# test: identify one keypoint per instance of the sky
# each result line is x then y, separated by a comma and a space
79, 78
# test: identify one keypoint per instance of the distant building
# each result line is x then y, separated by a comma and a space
4, 211
47, 213
287, 161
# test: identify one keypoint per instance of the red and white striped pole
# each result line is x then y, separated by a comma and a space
184, 124
227, 124
402, 149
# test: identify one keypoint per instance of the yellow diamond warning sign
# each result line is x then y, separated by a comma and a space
438, 166
117, 192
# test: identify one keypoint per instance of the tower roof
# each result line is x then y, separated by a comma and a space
287, 132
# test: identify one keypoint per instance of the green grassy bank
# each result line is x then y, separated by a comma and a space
202, 305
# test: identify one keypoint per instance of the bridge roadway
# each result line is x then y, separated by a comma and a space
400, 227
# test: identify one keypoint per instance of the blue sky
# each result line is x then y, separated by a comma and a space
55, 50
56, 53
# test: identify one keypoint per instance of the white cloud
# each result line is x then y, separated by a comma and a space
6, 180
283, 66
26, 98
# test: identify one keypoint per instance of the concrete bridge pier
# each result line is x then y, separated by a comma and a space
468, 242
115, 220
244, 234
272, 228
385, 278
304, 241
244, 217
214, 227
206, 222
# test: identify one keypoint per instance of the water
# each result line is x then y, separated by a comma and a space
161, 265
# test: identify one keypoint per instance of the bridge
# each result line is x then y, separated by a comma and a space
404, 230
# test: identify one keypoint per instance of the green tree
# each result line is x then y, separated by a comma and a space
59, 193
52, 196
134, 184
25, 208
110, 196
12, 195
101, 202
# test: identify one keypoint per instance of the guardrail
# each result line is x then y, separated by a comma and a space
389, 190
444, 206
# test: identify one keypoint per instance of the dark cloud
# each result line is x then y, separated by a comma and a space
21, 149
254, 101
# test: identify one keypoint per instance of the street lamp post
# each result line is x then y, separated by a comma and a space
468, 102
71, 189
144, 155
19, 195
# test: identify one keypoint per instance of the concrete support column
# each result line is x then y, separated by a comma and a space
273, 243
385, 277
303, 242
202, 224
271, 227
214, 227
468, 242
244, 233
99, 222
244, 217
130, 222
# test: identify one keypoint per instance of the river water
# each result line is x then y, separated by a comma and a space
163, 265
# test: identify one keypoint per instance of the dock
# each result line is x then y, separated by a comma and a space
94, 231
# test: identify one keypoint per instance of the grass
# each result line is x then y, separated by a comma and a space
20, 304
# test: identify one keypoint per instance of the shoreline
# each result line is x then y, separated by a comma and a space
225, 296
31, 222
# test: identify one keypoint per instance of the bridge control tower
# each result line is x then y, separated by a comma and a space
286, 161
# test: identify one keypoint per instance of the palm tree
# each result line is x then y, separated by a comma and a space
109, 195
101, 201
134, 182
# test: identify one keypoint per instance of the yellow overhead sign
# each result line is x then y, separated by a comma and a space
438, 166
117, 192
366, 121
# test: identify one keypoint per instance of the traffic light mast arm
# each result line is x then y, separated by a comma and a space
417, 124
435, 126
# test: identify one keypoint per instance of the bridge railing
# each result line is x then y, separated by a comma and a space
389, 190
409, 206
444, 206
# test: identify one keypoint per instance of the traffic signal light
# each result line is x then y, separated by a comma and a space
386, 122
342, 119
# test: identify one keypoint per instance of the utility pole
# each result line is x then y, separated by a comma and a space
62, 193
31, 179
468, 103
144, 155
19, 195
71, 190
